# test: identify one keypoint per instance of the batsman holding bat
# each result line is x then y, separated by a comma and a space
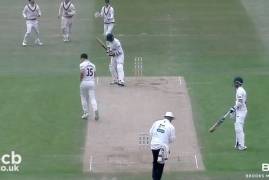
115, 51
240, 112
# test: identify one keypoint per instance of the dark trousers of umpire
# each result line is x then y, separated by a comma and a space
157, 169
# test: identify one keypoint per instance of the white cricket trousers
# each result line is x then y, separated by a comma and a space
116, 68
31, 25
87, 95
66, 26
239, 127
108, 28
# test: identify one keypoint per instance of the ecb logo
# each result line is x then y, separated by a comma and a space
10, 162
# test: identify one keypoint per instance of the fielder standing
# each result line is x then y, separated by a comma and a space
66, 11
31, 13
162, 134
107, 12
87, 86
115, 51
240, 112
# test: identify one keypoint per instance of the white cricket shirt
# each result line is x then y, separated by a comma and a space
67, 10
108, 14
240, 99
31, 12
115, 47
162, 132
88, 69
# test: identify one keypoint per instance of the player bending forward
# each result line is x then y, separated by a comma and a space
240, 112
67, 11
107, 12
87, 86
115, 51
162, 134
31, 13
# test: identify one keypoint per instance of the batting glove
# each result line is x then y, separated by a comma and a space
232, 110
110, 53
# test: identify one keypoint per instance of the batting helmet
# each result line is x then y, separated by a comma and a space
238, 80
110, 37
84, 56
106, 1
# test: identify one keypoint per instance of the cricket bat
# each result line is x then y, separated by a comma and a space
218, 122
101, 43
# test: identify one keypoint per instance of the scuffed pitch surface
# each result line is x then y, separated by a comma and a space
112, 143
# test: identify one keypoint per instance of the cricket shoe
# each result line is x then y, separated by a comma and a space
121, 84
24, 44
236, 145
66, 39
113, 83
38, 42
242, 148
96, 116
85, 116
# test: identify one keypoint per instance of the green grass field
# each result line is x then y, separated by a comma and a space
208, 42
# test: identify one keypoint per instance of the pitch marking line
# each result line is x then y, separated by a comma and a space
91, 159
196, 161
179, 80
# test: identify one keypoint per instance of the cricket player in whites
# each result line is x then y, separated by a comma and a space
239, 110
87, 86
107, 12
115, 51
31, 13
67, 11
162, 134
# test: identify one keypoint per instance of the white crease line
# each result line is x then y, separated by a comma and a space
196, 161
179, 80
91, 159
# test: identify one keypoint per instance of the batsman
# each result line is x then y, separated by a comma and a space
115, 52
239, 112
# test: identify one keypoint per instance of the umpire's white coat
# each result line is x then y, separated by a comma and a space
162, 133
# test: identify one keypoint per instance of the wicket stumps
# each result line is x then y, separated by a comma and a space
138, 67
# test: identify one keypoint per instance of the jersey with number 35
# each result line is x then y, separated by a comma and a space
88, 69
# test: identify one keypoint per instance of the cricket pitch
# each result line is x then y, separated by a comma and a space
118, 142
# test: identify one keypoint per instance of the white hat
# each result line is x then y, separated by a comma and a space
169, 114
